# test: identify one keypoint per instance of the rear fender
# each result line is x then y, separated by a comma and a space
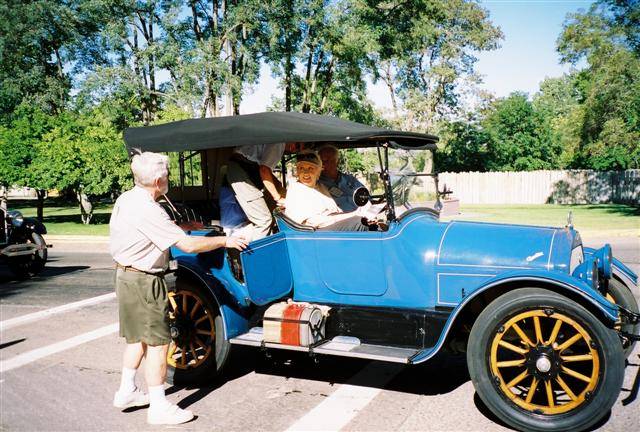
234, 316
558, 282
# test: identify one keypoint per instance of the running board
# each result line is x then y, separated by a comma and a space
344, 346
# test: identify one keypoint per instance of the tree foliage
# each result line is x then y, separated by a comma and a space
606, 37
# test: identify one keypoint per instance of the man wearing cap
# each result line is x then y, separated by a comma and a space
341, 186
141, 234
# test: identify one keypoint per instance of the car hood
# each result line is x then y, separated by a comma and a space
475, 244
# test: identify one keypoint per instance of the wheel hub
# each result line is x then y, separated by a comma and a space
181, 331
543, 362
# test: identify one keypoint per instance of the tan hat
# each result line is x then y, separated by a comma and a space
309, 156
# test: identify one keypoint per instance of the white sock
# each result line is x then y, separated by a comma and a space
128, 380
157, 399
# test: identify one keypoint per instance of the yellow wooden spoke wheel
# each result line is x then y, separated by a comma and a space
542, 362
199, 348
545, 362
192, 328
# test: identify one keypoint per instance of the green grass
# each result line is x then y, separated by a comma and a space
63, 218
601, 219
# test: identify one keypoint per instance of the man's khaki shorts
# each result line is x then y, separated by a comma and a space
143, 308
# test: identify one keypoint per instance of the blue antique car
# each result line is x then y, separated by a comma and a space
545, 322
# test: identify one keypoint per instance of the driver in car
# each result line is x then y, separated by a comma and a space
310, 203
341, 186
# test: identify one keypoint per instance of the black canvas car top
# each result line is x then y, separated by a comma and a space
264, 128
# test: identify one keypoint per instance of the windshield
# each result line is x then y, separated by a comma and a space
412, 190
412, 183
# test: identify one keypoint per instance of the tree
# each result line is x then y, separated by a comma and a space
19, 147
520, 138
606, 36
39, 40
425, 53
83, 155
465, 148
560, 102
329, 45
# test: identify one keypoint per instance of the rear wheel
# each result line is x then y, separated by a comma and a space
199, 349
542, 362
618, 293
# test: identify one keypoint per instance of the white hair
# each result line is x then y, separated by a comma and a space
329, 147
147, 167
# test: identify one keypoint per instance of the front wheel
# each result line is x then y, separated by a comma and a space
30, 265
541, 362
199, 349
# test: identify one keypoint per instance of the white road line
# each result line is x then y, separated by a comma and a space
37, 354
24, 319
346, 402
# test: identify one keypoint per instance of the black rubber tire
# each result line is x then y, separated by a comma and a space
213, 366
27, 266
624, 297
520, 300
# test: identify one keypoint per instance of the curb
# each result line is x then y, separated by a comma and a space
76, 239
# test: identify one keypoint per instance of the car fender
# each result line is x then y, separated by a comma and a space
34, 225
24, 231
233, 314
620, 270
561, 281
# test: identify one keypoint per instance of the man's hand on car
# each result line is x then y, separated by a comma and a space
239, 243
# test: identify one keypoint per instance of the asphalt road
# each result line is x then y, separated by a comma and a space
72, 389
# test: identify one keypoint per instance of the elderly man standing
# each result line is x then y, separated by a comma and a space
141, 234
340, 185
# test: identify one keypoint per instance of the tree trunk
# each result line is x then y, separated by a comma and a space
86, 208
40, 193
287, 82
306, 98
3, 198
327, 85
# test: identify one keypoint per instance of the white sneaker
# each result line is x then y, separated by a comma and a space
170, 415
135, 398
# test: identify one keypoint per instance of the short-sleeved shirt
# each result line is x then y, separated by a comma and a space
263, 154
141, 232
342, 190
303, 202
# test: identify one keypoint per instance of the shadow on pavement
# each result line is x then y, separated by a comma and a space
13, 342
10, 284
442, 374
633, 392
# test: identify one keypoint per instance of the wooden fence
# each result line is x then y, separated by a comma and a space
542, 187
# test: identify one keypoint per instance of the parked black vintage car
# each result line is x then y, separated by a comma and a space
21, 243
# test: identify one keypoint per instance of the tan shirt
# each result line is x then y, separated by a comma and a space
141, 232
303, 202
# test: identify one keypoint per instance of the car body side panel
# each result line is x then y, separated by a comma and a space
564, 283
404, 272
267, 269
473, 244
